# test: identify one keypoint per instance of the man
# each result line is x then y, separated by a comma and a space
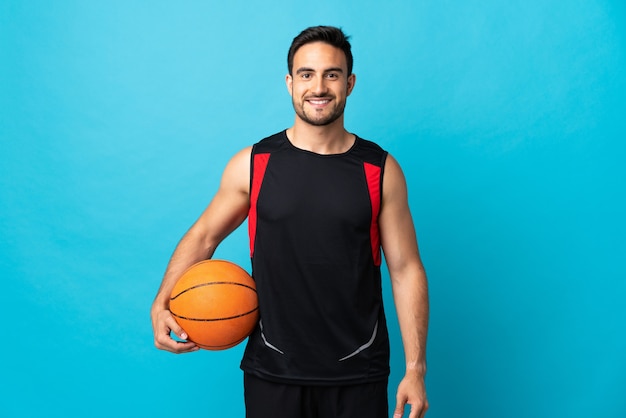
320, 203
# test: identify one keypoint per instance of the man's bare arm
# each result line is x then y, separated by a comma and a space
409, 285
224, 214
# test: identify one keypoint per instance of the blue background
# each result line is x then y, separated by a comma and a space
117, 119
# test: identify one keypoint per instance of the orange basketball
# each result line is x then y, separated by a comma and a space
215, 302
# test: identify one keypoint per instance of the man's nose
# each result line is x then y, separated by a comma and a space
319, 86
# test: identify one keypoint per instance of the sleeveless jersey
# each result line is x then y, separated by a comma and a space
315, 250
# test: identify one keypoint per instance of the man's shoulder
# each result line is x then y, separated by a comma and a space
270, 143
370, 151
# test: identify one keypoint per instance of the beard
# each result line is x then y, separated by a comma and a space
315, 118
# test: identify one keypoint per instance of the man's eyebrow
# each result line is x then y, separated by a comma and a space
304, 70
328, 70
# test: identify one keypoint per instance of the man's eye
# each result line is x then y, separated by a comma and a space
306, 76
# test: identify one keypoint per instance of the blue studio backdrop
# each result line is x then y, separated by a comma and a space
509, 119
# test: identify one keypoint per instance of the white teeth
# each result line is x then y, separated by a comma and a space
319, 102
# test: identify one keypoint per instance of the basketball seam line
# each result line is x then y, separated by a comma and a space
215, 319
212, 283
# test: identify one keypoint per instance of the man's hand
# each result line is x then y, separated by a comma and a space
163, 324
411, 390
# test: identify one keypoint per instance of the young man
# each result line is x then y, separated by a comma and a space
320, 203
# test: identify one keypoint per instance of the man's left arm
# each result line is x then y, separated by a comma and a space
409, 286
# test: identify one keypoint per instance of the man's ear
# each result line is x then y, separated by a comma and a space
351, 83
289, 83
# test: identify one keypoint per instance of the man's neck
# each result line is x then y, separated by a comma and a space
328, 139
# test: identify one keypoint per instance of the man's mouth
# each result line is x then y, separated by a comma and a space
318, 102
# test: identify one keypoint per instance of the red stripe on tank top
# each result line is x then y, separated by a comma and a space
372, 176
259, 166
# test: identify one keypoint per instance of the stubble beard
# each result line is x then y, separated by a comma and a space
336, 113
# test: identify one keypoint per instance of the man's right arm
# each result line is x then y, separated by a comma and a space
225, 213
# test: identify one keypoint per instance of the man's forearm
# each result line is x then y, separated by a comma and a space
410, 292
191, 249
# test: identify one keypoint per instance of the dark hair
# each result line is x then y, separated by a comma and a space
328, 34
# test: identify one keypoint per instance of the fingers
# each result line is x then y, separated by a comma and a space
424, 409
416, 411
412, 391
400, 403
173, 326
164, 324
422, 412
419, 411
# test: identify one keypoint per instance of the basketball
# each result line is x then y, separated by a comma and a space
215, 302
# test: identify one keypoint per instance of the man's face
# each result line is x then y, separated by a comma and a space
320, 83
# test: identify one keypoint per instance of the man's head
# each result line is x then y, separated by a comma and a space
327, 34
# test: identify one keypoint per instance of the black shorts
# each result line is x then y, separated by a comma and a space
266, 399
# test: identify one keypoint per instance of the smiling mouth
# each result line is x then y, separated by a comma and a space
318, 102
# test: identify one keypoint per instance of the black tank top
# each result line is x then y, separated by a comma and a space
315, 250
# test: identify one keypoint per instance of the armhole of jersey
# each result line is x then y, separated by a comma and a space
257, 173
374, 178
383, 161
